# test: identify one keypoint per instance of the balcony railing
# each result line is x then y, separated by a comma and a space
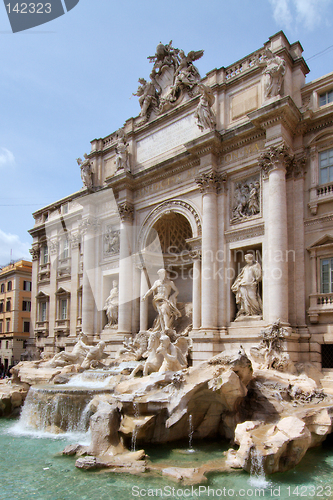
62, 327
320, 303
44, 272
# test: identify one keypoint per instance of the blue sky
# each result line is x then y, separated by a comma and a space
70, 81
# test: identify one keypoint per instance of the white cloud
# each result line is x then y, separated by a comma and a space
295, 13
11, 248
281, 12
6, 158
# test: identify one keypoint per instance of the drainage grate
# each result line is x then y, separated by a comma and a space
327, 355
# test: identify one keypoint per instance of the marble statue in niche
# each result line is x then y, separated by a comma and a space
111, 305
246, 199
164, 302
204, 115
122, 155
246, 290
86, 171
274, 71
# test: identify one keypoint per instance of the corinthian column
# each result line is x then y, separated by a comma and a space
125, 268
274, 164
209, 183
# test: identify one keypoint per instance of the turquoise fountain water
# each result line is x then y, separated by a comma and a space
32, 467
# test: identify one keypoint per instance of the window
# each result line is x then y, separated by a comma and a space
9, 286
42, 311
326, 98
2, 288
326, 166
27, 286
45, 254
63, 310
1, 306
7, 344
8, 306
26, 326
26, 305
8, 325
326, 275
1, 327
65, 252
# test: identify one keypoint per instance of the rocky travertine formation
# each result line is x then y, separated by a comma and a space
269, 414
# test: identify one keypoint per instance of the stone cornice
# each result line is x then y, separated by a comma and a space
211, 142
282, 110
157, 172
245, 233
318, 220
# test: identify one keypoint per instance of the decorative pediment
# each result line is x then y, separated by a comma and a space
62, 291
323, 137
325, 240
42, 295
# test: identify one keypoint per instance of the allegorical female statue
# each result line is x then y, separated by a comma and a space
246, 289
111, 305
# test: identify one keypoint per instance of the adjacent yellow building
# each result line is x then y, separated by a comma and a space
15, 310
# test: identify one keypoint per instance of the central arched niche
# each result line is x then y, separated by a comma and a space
166, 246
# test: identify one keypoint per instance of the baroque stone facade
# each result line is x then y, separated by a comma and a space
239, 162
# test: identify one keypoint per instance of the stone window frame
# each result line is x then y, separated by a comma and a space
330, 278
320, 302
328, 94
319, 193
62, 296
62, 324
42, 298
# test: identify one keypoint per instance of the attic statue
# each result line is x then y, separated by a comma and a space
274, 71
86, 171
164, 303
246, 289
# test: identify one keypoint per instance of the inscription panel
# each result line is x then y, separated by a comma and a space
167, 138
166, 183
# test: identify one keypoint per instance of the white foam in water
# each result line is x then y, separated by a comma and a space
44, 410
81, 380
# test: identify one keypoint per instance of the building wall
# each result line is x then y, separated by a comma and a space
18, 273
177, 168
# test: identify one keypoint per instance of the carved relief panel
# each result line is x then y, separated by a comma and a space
245, 200
111, 241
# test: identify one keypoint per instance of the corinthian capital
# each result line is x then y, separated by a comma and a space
210, 182
126, 211
35, 251
277, 157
